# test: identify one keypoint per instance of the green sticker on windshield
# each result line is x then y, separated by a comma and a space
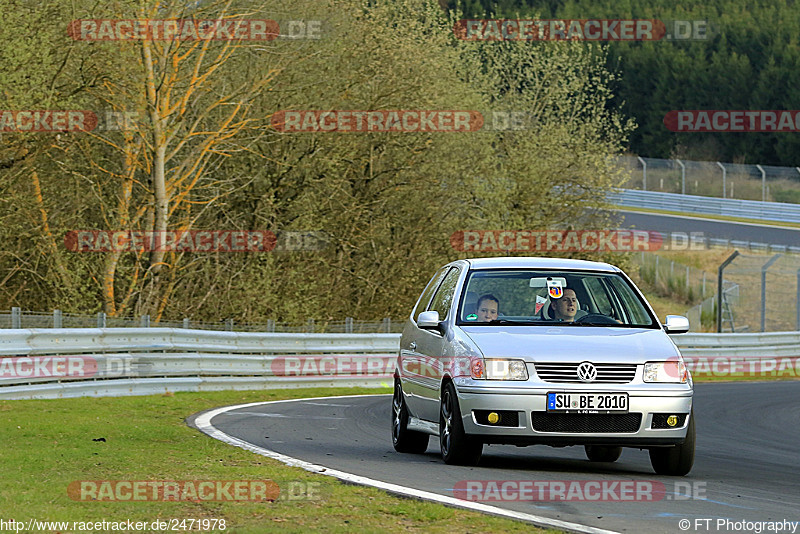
472, 317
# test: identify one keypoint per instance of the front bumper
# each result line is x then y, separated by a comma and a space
535, 400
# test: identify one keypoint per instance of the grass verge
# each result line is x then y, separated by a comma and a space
47, 444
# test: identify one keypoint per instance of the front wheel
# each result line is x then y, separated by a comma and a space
457, 448
403, 439
676, 460
599, 453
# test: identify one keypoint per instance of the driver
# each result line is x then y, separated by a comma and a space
487, 308
567, 308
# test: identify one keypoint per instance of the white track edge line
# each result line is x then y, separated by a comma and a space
203, 423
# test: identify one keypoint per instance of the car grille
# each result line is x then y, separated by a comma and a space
607, 373
580, 422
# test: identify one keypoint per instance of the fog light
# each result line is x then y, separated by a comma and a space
672, 420
493, 418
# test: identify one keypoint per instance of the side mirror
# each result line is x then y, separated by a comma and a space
428, 319
676, 324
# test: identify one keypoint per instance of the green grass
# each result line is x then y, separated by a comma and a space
46, 444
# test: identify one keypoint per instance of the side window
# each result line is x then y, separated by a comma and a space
638, 314
598, 292
425, 298
444, 296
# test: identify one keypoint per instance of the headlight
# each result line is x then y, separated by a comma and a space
505, 370
673, 371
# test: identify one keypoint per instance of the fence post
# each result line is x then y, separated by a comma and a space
644, 173
766, 266
144, 321
270, 325
724, 178
683, 176
348, 325
719, 288
687, 278
797, 320
101, 319
229, 325
763, 184
310, 326
656, 280
57, 321
704, 284
387, 325
16, 318
187, 323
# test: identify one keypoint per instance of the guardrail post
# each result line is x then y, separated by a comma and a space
187, 323
719, 288
683, 176
644, 173
348, 325
16, 318
270, 325
101, 320
144, 321
724, 175
57, 322
763, 184
766, 266
310, 326
229, 325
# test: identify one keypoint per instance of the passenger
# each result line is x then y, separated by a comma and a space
487, 308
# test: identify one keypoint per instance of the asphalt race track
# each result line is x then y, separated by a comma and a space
774, 235
746, 463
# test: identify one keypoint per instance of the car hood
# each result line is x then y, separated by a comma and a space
572, 343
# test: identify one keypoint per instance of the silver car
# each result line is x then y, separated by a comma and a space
541, 351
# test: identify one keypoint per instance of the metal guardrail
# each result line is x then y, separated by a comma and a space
56, 363
750, 209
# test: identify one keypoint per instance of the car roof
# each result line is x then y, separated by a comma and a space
519, 262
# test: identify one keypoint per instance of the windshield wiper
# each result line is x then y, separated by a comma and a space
512, 321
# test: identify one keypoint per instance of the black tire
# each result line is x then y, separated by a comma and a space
676, 460
600, 453
457, 448
403, 439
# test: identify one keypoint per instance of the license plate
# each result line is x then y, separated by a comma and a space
587, 402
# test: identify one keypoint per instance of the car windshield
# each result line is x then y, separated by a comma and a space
546, 297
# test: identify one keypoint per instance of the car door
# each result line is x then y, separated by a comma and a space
431, 347
412, 363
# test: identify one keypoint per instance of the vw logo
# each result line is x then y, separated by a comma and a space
587, 372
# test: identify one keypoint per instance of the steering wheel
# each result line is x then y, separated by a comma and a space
598, 318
